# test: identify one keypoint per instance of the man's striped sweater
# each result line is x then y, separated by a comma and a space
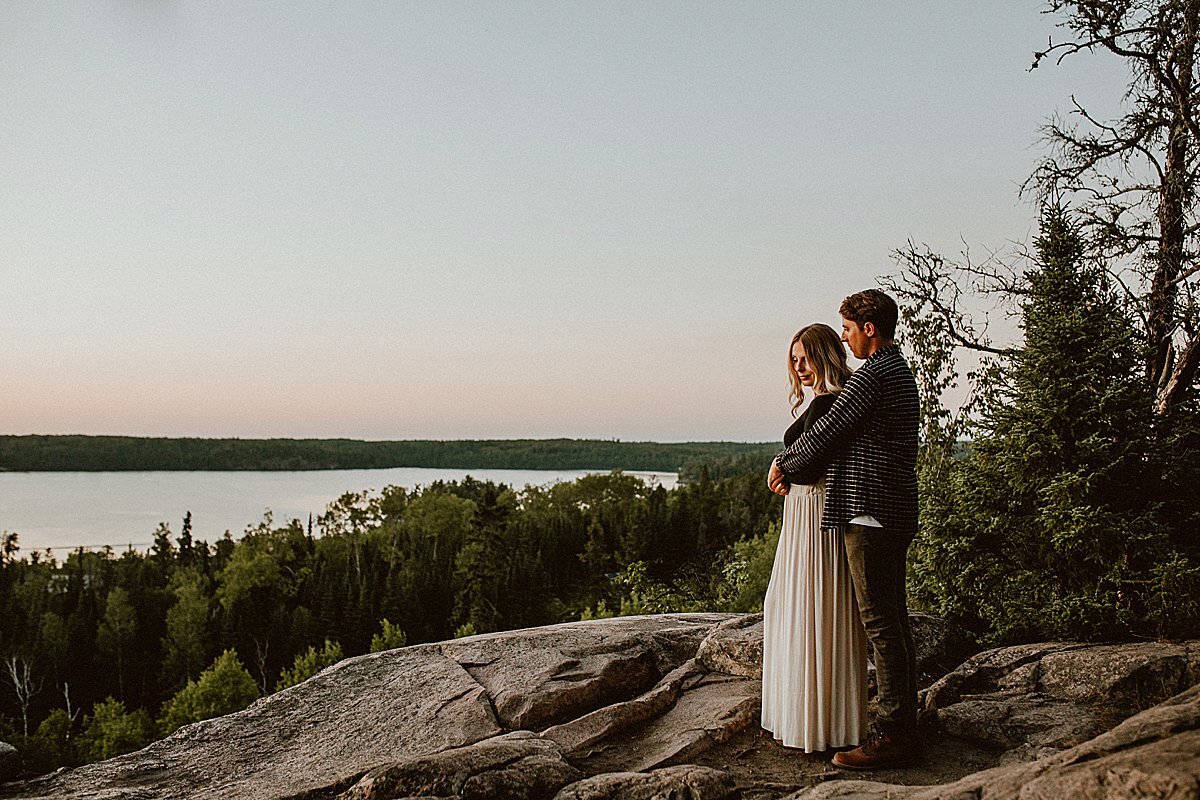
868, 439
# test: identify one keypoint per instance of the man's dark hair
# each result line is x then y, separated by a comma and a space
875, 307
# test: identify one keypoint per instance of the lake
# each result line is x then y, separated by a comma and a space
66, 510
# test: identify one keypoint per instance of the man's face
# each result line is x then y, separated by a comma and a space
857, 338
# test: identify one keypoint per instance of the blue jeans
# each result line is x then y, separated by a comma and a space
877, 560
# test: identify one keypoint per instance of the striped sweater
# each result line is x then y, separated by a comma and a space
868, 439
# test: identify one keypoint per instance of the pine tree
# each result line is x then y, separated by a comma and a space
187, 548
480, 566
1051, 532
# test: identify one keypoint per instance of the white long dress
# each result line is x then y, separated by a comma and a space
814, 691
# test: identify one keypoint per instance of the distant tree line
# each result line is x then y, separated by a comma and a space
129, 453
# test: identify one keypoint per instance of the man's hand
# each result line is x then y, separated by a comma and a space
777, 482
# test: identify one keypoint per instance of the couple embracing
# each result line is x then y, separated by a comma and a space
850, 512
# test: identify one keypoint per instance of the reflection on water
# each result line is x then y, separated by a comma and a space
66, 510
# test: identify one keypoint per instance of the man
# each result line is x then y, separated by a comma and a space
869, 440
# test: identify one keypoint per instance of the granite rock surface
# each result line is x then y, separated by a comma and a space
10, 762
667, 707
1153, 754
1032, 699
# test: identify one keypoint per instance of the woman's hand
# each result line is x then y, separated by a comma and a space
777, 482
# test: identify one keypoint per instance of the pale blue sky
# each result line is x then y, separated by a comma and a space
482, 220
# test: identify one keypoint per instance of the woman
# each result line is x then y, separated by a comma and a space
814, 646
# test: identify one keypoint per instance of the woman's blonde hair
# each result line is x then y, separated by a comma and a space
826, 358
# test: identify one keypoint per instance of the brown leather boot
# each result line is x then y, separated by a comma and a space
880, 751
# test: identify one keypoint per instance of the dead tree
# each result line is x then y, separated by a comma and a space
20, 674
1133, 179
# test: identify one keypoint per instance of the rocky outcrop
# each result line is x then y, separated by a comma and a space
322, 737
542, 676
1032, 699
690, 782
735, 647
1154, 754
941, 646
10, 762
514, 766
665, 707
360, 713
710, 709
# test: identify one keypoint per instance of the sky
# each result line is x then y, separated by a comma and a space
449, 220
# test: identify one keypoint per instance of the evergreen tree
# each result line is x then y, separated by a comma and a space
8, 547
187, 549
480, 565
162, 549
1049, 532
597, 554
1134, 176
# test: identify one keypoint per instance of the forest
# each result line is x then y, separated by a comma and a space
105, 651
1057, 502
131, 453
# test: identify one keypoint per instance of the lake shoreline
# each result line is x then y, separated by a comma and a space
78, 453
64, 510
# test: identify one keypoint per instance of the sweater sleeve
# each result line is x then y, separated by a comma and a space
828, 437
818, 408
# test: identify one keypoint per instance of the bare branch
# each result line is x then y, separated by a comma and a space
20, 674
1133, 299
926, 283
1070, 48
1134, 176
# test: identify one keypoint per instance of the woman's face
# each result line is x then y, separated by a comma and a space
800, 364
